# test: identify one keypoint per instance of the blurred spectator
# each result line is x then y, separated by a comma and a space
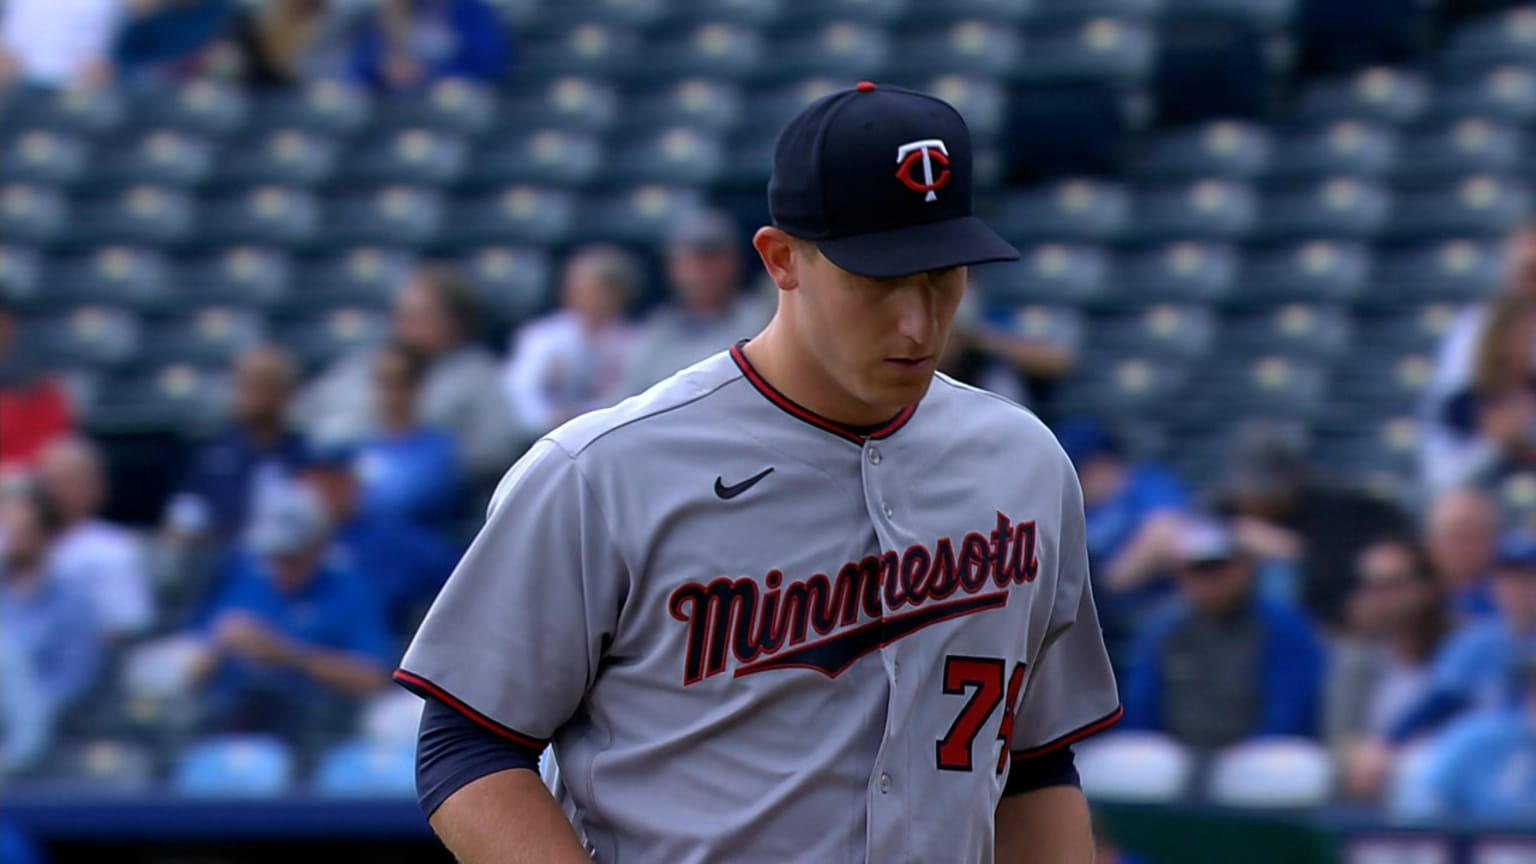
984, 350
49, 626
436, 314
292, 640
1223, 663
1311, 532
282, 42
404, 563
164, 41
573, 360
96, 558
408, 471
1397, 622
1476, 667
35, 407
1461, 535
1133, 510
709, 313
57, 43
1483, 767
410, 44
1468, 354
256, 452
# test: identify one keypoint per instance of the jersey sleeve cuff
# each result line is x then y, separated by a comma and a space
1070, 738
428, 690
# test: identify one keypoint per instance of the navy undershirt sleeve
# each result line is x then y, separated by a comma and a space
453, 751
1056, 768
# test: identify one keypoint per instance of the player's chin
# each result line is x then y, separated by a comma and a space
904, 387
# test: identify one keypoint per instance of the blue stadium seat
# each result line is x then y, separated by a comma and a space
122, 276
847, 50
1373, 383
23, 272
156, 156
866, 11
1102, 48
1339, 36
565, 103
1502, 37
1409, 328
72, 110
199, 107
32, 213
1055, 10
1267, 15
147, 215
981, 101
1092, 127
288, 156
43, 156
512, 282
208, 337
772, 107
1476, 205
924, 15
282, 216
550, 156
366, 277
1310, 271
678, 156
94, 766
1505, 93
642, 216
1114, 388
394, 215
752, 13
1454, 270
751, 160
1454, 150
634, 14
1337, 149
325, 107
1233, 149
523, 213
700, 103
1053, 273
250, 277
1379, 94
453, 106
89, 337
1161, 330
593, 48
1250, 385
1201, 209
976, 47
251, 766
1313, 331
407, 156
317, 337
1335, 208
1060, 326
1220, 58
1066, 210
716, 49
368, 769
1181, 272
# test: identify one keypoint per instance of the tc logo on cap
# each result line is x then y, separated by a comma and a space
927, 151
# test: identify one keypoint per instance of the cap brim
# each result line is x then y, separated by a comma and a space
918, 248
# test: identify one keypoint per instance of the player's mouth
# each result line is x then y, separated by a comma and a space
909, 364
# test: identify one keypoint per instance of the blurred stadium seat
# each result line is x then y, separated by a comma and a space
267, 215
42, 156
1134, 767
1454, 270
1308, 271
1335, 149
251, 277
281, 156
1481, 204
1077, 210
1302, 330
1342, 208
1201, 210
1049, 273
517, 214
1158, 331
368, 769
162, 156
406, 156
326, 107
367, 276
1219, 149
452, 106
1181, 272
567, 102
1272, 773
1506, 93
550, 156
1375, 95
1502, 37
197, 107
249, 766
32, 212
1463, 147
513, 282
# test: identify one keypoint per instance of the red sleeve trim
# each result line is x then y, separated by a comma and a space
426, 689
1072, 737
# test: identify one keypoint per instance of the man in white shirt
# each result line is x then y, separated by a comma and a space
57, 43
572, 361
101, 560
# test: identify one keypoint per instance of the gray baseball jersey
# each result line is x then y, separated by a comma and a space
752, 634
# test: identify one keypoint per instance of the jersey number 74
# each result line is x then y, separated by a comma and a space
983, 678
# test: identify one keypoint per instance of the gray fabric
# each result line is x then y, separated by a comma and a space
672, 339
572, 616
1211, 680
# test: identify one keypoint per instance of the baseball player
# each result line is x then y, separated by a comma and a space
806, 600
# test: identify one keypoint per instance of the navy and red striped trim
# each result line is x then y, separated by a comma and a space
1072, 737
426, 689
806, 415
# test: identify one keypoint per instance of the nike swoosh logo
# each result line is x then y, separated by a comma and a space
726, 493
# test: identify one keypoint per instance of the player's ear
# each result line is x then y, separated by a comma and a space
780, 253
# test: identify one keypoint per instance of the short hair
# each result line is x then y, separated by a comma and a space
416, 362
453, 295
615, 266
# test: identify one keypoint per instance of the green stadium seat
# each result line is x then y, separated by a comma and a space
44, 156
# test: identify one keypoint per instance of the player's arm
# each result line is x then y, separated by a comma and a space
1048, 826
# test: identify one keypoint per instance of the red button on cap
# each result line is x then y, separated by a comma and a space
864, 86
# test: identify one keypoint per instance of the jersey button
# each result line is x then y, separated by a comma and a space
874, 455
885, 507
885, 783
896, 670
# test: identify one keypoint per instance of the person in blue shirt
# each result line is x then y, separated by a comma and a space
409, 472
1223, 663
404, 563
1482, 767
291, 641
405, 45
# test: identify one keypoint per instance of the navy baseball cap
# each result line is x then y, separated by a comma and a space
880, 179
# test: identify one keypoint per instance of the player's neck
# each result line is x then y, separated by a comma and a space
794, 373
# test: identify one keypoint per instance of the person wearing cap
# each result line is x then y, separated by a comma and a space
290, 641
708, 312
805, 600
35, 406
1224, 663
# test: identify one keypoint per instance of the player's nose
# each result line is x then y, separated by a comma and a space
916, 313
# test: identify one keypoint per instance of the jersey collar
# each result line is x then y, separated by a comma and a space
855, 434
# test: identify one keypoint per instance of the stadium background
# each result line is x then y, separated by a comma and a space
1229, 210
